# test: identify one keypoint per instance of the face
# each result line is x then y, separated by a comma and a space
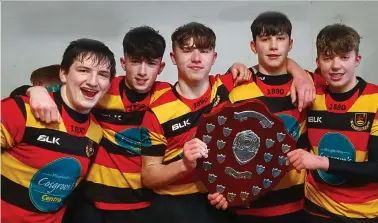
339, 70
192, 63
85, 83
272, 51
141, 74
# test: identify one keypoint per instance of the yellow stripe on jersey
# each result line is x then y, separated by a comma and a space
374, 128
6, 139
172, 153
94, 132
361, 156
177, 106
320, 103
31, 121
112, 177
15, 170
189, 188
111, 102
290, 179
158, 93
245, 92
347, 209
364, 103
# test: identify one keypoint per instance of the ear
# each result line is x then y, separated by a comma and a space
172, 55
358, 60
122, 60
161, 68
252, 44
63, 75
215, 57
317, 62
290, 44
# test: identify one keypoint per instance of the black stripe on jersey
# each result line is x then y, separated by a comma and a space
57, 141
355, 182
116, 149
16, 195
276, 104
335, 121
154, 150
373, 145
313, 208
118, 117
193, 118
108, 194
21, 105
187, 121
174, 159
303, 141
280, 197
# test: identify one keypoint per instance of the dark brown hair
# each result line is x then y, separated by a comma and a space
203, 36
46, 74
337, 39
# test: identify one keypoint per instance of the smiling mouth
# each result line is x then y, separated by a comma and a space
89, 93
336, 76
141, 81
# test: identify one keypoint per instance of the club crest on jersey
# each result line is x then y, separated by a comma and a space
217, 100
360, 122
89, 150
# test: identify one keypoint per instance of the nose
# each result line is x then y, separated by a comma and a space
142, 69
196, 56
273, 44
335, 63
93, 80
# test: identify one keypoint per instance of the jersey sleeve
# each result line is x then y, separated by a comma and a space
12, 121
154, 142
367, 170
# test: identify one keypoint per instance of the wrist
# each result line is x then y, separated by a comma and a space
35, 89
324, 161
184, 168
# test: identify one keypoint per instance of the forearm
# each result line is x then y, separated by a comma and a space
295, 70
354, 170
159, 175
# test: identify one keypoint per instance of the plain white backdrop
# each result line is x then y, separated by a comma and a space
35, 34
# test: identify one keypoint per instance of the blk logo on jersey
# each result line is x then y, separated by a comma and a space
360, 122
180, 125
49, 139
314, 119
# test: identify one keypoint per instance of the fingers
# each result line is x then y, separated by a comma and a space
301, 96
212, 196
293, 94
195, 149
222, 203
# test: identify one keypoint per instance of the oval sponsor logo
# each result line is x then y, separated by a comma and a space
53, 183
291, 125
336, 146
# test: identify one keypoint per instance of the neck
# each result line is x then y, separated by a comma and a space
192, 89
272, 70
63, 93
345, 88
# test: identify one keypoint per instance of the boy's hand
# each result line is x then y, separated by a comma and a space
301, 159
42, 106
305, 89
240, 73
218, 201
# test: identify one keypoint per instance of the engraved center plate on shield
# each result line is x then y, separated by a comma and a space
245, 146
247, 151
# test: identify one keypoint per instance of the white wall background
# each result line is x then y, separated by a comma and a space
35, 34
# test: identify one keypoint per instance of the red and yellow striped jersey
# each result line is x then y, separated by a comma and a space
173, 120
114, 181
41, 164
344, 127
274, 92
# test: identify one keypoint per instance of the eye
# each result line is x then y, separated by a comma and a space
205, 51
83, 71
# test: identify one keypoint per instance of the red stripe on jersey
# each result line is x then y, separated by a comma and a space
358, 139
11, 213
120, 162
114, 207
360, 194
37, 158
274, 210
